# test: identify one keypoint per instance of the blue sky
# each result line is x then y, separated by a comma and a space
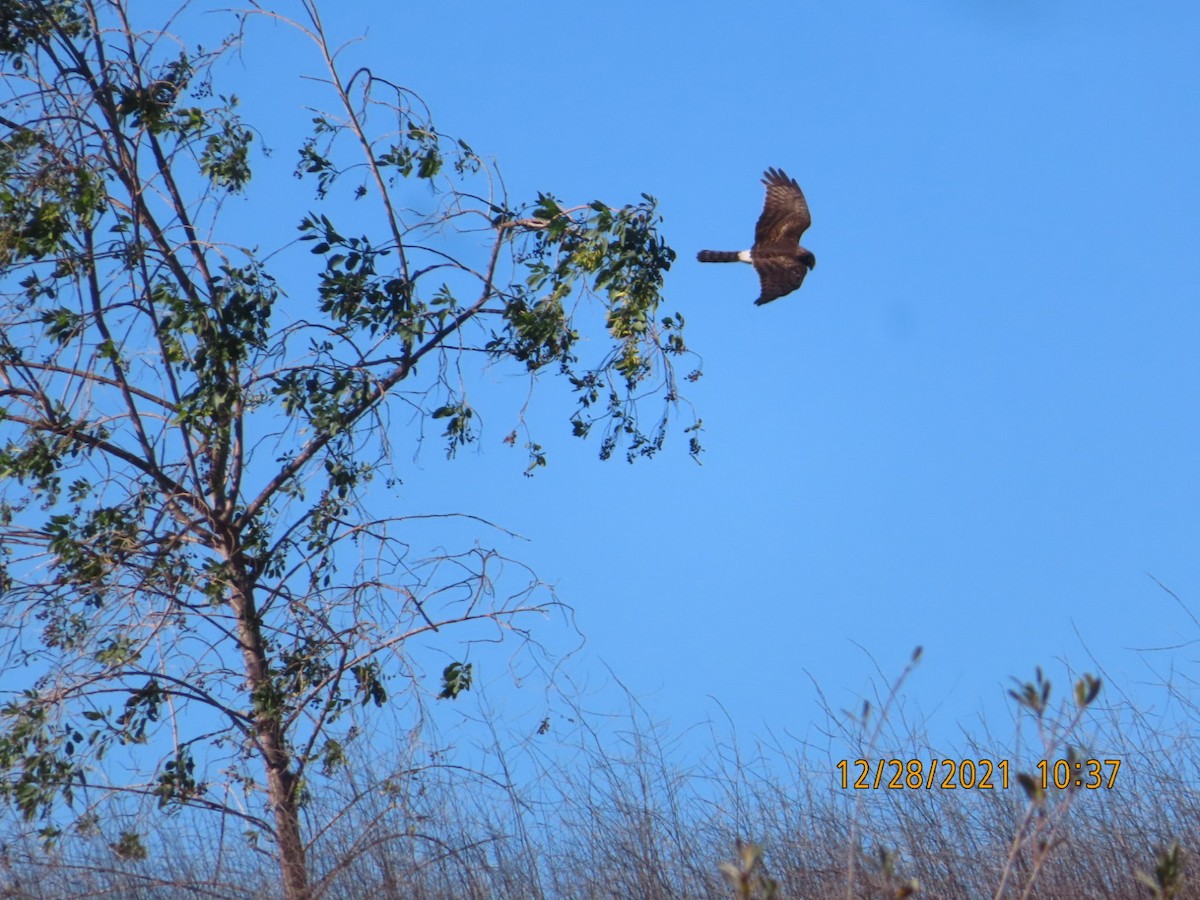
973, 429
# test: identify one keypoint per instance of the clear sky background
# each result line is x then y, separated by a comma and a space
973, 429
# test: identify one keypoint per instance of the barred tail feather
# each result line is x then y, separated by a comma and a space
718, 256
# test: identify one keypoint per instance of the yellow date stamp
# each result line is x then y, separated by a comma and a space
973, 774
918, 774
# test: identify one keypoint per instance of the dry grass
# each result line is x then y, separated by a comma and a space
605, 812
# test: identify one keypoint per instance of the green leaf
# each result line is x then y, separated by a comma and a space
456, 678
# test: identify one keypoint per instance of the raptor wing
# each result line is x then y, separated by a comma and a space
785, 214
779, 275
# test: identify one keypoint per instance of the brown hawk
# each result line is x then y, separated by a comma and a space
777, 257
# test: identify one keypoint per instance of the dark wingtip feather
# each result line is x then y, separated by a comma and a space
778, 176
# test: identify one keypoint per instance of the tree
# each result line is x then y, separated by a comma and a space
196, 574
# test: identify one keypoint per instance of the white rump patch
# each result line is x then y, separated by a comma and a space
744, 256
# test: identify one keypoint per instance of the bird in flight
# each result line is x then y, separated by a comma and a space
777, 257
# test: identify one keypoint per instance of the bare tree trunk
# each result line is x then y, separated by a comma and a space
281, 785
282, 782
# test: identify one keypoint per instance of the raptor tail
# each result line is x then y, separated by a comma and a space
718, 256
